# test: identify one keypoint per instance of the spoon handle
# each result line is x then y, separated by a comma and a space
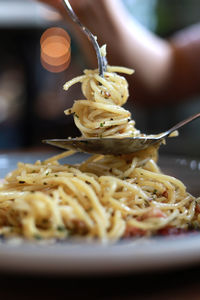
182, 123
91, 37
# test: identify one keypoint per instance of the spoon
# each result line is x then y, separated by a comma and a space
102, 62
116, 146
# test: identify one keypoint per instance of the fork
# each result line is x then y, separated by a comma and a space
102, 62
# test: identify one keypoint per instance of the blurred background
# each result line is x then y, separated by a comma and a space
32, 99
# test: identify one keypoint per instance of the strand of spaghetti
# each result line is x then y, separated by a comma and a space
120, 70
153, 223
92, 158
59, 156
92, 197
132, 187
114, 93
78, 209
168, 206
162, 178
109, 107
73, 81
125, 209
118, 227
101, 226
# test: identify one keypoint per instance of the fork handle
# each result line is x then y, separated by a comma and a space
184, 122
90, 36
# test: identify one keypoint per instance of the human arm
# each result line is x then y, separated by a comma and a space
164, 69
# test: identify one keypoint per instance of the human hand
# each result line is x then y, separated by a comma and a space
58, 4
94, 14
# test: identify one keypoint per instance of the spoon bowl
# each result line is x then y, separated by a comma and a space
116, 146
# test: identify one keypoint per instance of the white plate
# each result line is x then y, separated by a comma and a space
81, 258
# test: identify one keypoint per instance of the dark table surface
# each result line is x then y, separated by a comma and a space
177, 284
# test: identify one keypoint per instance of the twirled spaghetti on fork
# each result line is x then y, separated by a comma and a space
101, 114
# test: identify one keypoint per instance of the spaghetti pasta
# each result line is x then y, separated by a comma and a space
101, 115
105, 197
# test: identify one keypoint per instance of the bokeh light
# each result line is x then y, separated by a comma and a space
55, 46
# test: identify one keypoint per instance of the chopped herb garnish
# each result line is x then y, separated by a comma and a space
155, 191
37, 237
56, 175
76, 116
61, 228
47, 173
102, 124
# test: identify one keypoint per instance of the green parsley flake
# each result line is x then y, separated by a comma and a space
61, 228
37, 237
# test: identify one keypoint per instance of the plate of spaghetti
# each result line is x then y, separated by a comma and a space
75, 213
